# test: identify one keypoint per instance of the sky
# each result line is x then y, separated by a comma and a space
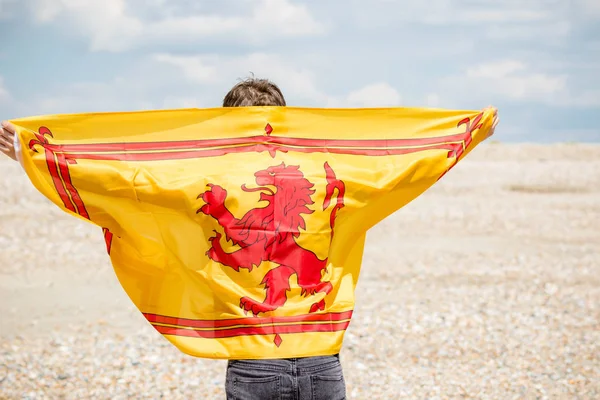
538, 61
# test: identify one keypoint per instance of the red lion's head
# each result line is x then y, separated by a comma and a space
288, 193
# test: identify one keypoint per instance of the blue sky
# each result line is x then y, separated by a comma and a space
538, 61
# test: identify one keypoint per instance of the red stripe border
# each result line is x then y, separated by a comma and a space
253, 330
330, 322
252, 321
276, 141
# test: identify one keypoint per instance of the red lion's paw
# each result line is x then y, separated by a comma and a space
217, 237
247, 304
212, 254
214, 199
317, 306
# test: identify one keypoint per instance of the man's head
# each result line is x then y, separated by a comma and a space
254, 92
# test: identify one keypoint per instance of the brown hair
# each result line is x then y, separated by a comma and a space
254, 92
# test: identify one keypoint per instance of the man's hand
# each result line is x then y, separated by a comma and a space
7, 137
496, 120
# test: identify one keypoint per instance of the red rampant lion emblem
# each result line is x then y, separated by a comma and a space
268, 234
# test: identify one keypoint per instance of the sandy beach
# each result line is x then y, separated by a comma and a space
485, 287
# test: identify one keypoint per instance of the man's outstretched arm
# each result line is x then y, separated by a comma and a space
7, 137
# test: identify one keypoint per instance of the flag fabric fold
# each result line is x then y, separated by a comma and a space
239, 232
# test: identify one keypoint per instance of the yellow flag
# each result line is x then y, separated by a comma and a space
239, 232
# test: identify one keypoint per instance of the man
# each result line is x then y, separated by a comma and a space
299, 378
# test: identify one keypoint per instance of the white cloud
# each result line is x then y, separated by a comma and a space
218, 70
519, 32
112, 26
296, 81
506, 14
453, 15
177, 81
282, 17
493, 70
516, 80
502, 20
454, 12
104, 21
195, 68
118, 94
374, 95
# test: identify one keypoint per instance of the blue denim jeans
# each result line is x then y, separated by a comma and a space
311, 378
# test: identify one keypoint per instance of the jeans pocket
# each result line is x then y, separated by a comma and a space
252, 388
328, 387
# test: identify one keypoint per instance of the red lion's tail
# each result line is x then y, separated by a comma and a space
332, 184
